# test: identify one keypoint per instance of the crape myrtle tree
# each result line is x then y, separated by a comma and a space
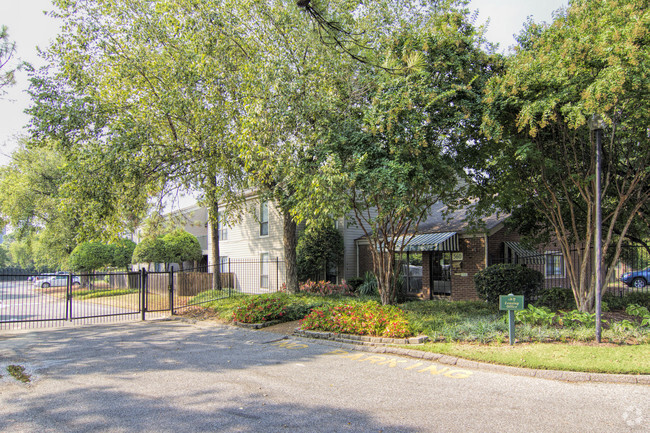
593, 59
400, 144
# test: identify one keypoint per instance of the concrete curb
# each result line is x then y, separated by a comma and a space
384, 347
565, 376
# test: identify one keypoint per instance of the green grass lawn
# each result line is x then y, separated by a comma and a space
606, 358
477, 331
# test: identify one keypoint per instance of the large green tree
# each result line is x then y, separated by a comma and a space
7, 53
400, 144
593, 59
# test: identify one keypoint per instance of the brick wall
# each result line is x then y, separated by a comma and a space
462, 279
495, 244
426, 275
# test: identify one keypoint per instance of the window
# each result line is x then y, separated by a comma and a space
222, 227
223, 264
554, 266
264, 218
264, 270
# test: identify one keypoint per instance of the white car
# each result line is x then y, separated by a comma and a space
54, 280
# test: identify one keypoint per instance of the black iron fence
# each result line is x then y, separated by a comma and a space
29, 300
630, 274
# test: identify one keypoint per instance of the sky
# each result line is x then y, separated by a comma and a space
30, 28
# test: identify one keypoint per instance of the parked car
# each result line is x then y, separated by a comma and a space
54, 280
638, 279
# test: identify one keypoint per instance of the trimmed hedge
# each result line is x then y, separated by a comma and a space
504, 279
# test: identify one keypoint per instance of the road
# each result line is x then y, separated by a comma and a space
173, 376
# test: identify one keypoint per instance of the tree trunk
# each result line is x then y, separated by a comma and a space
214, 246
290, 242
213, 216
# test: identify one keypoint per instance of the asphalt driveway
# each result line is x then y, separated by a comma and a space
173, 376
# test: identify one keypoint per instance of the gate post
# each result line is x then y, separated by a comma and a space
68, 298
171, 291
143, 292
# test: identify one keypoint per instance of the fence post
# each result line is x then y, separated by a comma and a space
143, 292
171, 291
277, 274
231, 279
68, 299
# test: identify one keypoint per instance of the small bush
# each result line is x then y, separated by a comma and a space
369, 285
504, 279
325, 288
361, 318
262, 308
616, 303
535, 316
556, 298
355, 283
575, 318
639, 311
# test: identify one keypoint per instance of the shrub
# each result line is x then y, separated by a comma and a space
319, 247
576, 318
556, 298
361, 318
639, 311
262, 308
535, 316
355, 283
615, 302
325, 288
504, 279
369, 285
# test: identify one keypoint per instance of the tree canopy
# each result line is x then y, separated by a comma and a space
593, 59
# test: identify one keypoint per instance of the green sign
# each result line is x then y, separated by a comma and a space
511, 302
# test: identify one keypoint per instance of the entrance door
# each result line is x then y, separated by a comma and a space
440, 272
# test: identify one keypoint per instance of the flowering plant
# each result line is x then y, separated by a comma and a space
261, 308
325, 288
363, 318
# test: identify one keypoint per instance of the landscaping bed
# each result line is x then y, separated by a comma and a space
468, 329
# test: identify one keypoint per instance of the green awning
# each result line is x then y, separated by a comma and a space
447, 241
524, 255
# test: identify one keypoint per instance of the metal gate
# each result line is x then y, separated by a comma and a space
30, 301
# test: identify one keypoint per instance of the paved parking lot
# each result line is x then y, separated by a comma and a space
173, 376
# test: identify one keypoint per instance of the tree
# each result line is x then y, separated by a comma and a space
593, 59
161, 86
5, 258
89, 256
319, 247
402, 140
122, 253
181, 246
149, 250
7, 51
20, 252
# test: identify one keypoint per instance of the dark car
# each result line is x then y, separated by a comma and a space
638, 279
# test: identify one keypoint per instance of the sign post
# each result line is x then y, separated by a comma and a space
511, 303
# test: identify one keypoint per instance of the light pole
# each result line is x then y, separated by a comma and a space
596, 124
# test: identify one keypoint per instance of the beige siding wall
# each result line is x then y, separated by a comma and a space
243, 237
351, 231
